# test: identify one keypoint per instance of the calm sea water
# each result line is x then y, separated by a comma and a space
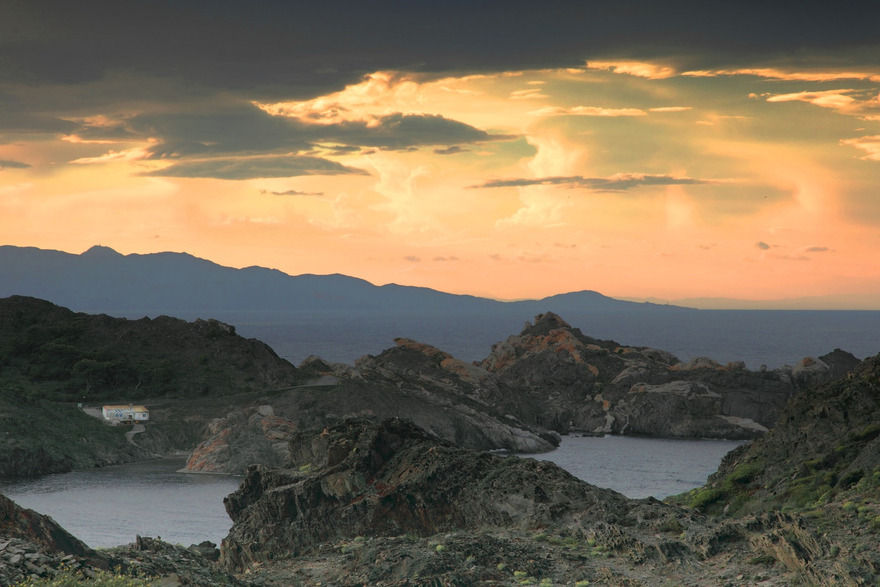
640, 467
110, 506
766, 337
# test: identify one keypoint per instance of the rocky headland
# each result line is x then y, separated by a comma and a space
551, 379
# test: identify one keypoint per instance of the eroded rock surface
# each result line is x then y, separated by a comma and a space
389, 504
555, 376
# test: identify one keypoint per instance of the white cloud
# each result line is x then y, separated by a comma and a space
869, 144
777, 74
529, 94
588, 111
635, 68
845, 101
670, 109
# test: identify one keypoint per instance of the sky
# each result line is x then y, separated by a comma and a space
670, 151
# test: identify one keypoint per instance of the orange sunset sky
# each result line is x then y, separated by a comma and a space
503, 149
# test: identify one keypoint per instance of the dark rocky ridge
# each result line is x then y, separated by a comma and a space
51, 352
365, 503
555, 376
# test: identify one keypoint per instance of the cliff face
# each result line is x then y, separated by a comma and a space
555, 376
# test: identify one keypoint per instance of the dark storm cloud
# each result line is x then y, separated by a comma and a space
9, 164
254, 167
818, 250
298, 49
247, 129
17, 117
453, 150
762, 245
401, 131
611, 184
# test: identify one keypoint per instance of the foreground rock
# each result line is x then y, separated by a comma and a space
389, 504
822, 461
395, 479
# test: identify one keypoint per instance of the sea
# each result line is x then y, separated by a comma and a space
110, 506
772, 338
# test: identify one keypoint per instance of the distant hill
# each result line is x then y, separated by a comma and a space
179, 284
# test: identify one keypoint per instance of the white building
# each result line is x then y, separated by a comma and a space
129, 413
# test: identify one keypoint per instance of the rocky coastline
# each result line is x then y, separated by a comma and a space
551, 379
378, 473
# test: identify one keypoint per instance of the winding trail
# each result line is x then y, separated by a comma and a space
136, 429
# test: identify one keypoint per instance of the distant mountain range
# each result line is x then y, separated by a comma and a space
341, 318
179, 284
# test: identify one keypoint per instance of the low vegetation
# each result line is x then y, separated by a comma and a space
95, 578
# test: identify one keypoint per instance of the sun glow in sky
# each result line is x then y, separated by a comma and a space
635, 169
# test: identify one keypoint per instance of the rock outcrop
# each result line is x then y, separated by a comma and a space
34, 547
393, 479
555, 376
242, 438
32, 544
388, 503
826, 443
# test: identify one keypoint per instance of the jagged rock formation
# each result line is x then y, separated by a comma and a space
393, 479
366, 503
450, 398
550, 376
555, 376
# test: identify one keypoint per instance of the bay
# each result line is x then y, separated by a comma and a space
109, 506
640, 467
